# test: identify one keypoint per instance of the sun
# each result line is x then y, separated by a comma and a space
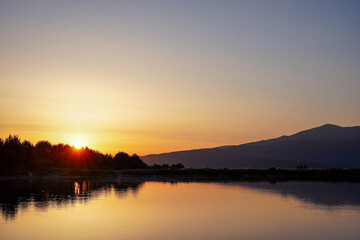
78, 141
78, 144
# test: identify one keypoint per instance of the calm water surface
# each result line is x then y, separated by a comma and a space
184, 210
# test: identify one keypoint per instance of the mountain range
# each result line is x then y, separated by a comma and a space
325, 146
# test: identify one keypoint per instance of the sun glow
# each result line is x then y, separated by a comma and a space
78, 144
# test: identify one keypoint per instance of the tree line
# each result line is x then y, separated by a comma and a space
23, 156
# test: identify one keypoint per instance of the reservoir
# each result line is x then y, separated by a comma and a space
119, 209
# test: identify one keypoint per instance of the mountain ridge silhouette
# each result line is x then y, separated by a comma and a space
328, 145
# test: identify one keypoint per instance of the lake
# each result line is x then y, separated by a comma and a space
119, 209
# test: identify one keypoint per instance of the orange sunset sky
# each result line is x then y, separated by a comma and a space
155, 77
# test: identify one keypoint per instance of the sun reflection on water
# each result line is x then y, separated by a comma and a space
76, 188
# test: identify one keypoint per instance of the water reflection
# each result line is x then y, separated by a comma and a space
319, 193
76, 188
102, 209
20, 194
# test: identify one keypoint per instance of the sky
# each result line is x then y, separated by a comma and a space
157, 76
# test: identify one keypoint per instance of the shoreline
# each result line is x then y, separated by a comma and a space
203, 174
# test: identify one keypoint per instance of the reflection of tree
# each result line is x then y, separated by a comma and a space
19, 194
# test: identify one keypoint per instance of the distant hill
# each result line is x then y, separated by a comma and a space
324, 146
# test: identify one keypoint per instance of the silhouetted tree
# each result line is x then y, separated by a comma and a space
177, 166
124, 161
301, 166
21, 157
12, 152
